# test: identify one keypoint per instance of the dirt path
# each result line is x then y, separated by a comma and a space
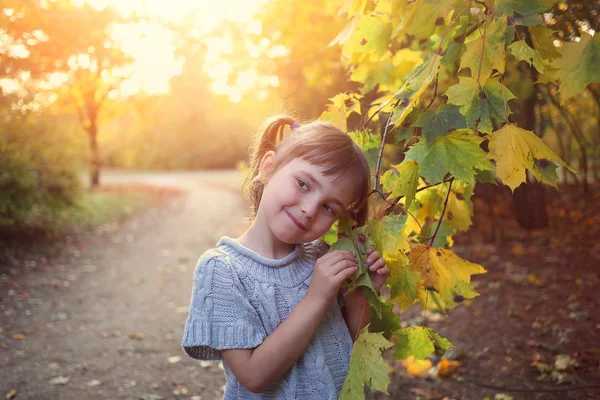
103, 318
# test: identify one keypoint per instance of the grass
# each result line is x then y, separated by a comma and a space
96, 207
114, 203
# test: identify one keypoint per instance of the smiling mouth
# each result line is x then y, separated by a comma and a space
296, 221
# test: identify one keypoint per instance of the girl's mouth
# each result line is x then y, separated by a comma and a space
298, 224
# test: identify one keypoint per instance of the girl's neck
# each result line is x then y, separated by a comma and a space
262, 241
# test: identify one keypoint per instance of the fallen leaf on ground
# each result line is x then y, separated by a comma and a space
59, 380
174, 359
136, 335
18, 336
447, 367
11, 394
417, 368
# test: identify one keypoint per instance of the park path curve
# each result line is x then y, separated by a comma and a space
103, 318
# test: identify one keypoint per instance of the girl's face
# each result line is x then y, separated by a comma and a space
300, 203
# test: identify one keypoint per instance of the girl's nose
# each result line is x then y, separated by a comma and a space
309, 209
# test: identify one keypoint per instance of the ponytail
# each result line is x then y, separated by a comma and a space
269, 139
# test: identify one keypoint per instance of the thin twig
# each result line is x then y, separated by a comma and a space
441, 216
434, 91
385, 131
397, 199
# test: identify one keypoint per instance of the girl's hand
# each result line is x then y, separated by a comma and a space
329, 273
376, 266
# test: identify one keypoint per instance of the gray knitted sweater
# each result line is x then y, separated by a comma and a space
239, 297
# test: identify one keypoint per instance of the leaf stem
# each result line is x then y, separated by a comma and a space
397, 199
482, 51
441, 216
385, 131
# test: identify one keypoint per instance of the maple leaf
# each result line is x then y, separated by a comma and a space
416, 83
444, 272
478, 103
403, 284
419, 342
516, 150
367, 366
576, 65
440, 123
458, 153
402, 183
386, 234
370, 35
523, 52
482, 58
387, 324
361, 278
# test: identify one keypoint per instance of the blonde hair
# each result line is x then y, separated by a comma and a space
319, 143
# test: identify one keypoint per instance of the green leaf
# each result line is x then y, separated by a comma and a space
579, 63
402, 181
361, 279
515, 150
440, 344
419, 342
482, 58
386, 234
526, 7
445, 119
497, 96
387, 324
523, 52
416, 83
480, 103
403, 284
458, 153
366, 141
367, 366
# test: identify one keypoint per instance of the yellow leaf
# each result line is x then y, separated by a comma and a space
447, 367
18, 336
515, 151
416, 367
486, 53
444, 272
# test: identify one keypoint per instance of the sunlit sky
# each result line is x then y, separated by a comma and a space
151, 47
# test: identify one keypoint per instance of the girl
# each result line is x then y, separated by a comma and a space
267, 302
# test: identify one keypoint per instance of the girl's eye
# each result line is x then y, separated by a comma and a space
302, 185
329, 209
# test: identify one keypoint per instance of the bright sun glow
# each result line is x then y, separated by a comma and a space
151, 45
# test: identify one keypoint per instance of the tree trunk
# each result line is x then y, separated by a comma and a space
95, 163
529, 200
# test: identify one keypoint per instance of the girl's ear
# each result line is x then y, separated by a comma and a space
266, 164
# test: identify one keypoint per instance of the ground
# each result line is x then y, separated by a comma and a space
100, 314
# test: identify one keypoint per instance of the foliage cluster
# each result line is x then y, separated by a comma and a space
40, 165
450, 123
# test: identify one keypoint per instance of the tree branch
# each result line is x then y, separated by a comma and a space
441, 216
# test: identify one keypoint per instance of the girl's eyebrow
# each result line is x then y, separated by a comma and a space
318, 184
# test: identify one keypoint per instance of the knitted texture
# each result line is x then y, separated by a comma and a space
239, 297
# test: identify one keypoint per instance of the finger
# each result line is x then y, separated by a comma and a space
377, 265
383, 271
345, 274
370, 249
373, 257
338, 255
339, 267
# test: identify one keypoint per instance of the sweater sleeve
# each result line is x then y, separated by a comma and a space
220, 316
